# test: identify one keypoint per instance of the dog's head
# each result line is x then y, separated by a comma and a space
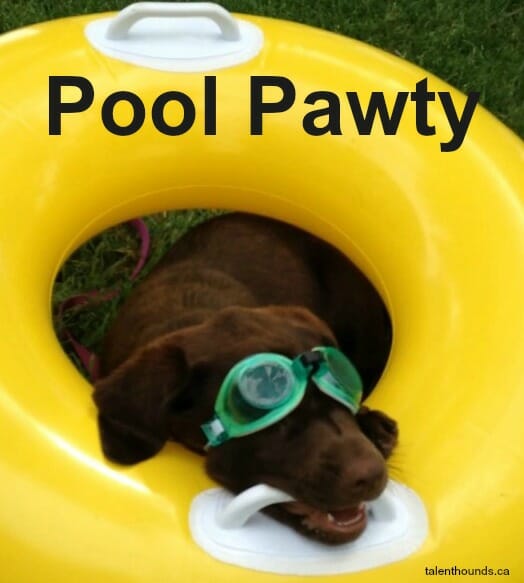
328, 459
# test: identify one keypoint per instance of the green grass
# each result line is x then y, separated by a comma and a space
105, 263
475, 45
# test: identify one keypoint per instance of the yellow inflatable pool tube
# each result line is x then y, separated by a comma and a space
440, 234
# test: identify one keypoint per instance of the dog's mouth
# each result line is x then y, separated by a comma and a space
334, 527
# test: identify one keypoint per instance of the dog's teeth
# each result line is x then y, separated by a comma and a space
356, 518
350, 522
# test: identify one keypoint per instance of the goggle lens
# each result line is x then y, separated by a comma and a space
266, 385
338, 378
340, 368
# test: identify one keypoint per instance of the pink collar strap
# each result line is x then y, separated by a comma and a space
89, 359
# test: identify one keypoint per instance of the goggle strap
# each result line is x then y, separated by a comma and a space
215, 431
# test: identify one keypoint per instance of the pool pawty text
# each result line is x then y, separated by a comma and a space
323, 116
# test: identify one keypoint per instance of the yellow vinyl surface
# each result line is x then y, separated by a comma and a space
441, 235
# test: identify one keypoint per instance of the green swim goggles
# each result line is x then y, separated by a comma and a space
262, 389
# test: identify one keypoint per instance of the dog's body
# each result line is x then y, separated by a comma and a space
235, 286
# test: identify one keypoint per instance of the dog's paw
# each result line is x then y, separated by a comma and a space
379, 428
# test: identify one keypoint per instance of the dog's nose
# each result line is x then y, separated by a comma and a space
369, 477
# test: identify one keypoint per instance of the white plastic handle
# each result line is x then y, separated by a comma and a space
120, 25
243, 506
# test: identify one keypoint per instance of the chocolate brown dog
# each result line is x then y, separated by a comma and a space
235, 286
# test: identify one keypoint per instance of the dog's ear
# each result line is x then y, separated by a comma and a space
134, 401
378, 428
